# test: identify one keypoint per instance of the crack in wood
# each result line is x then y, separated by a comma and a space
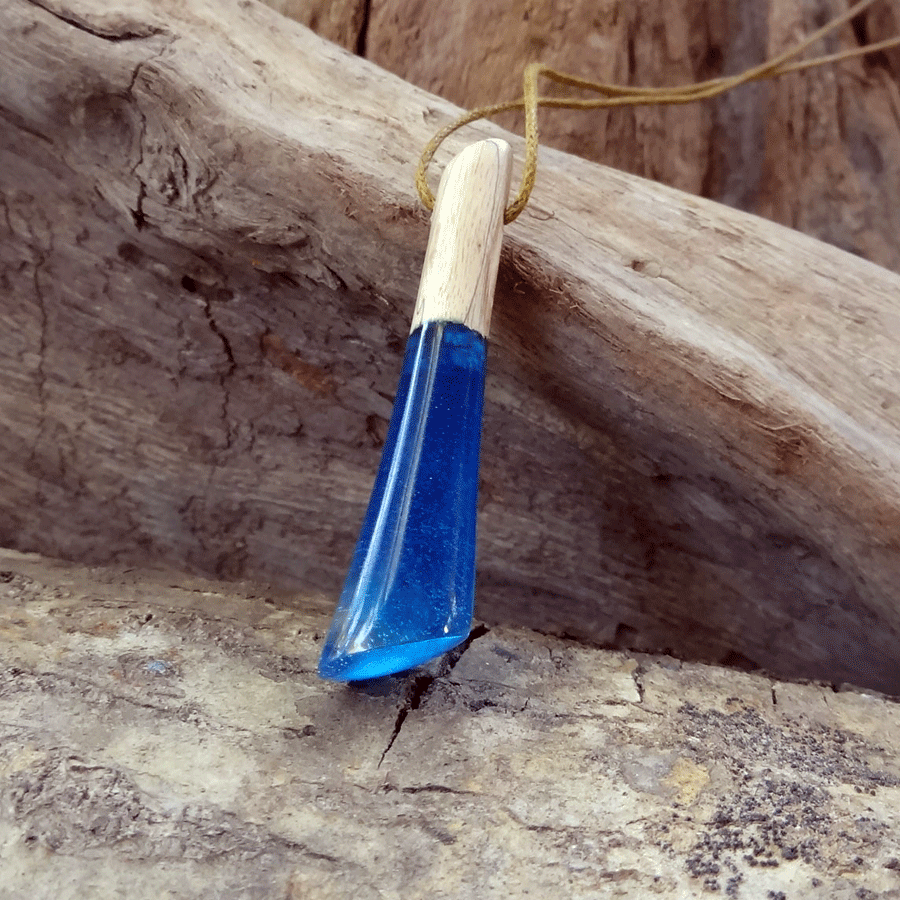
419, 687
413, 699
435, 789
224, 377
638, 676
40, 372
138, 31
362, 37
137, 214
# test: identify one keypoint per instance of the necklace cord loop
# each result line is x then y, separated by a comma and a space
614, 95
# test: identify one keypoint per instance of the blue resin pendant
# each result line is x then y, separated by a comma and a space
410, 591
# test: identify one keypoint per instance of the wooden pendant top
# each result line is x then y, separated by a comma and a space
460, 269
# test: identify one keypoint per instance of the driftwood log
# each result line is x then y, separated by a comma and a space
169, 738
209, 254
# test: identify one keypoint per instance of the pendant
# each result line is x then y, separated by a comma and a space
409, 594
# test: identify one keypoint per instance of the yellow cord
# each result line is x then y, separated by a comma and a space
613, 95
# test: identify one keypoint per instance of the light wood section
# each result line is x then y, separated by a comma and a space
460, 270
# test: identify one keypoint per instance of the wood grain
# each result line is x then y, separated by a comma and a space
209, 248
459, 274
168, 737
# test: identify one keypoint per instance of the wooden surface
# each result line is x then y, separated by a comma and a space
345, 22
818, 151
164, 737
209, 254
459, 274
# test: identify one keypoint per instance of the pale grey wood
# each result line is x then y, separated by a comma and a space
209, 255
165, 737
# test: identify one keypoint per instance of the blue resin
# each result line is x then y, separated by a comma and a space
410, 590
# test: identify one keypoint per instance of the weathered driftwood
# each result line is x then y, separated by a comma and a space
343, 21
818, 150
209, 257
170, 739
